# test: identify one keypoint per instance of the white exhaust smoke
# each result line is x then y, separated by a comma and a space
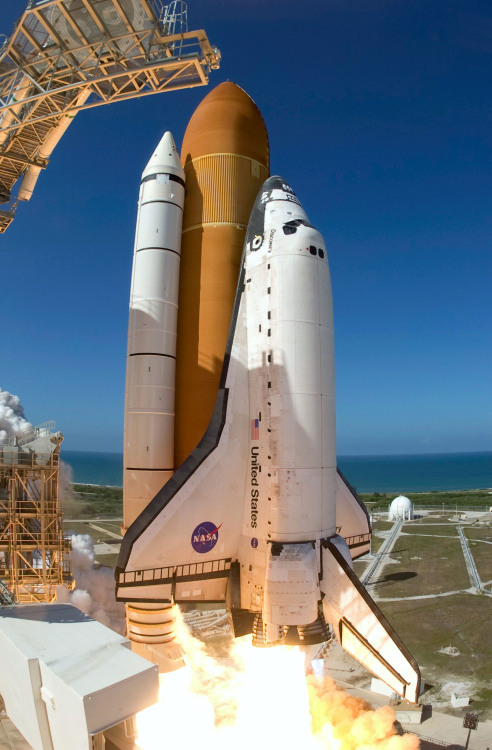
12, 420
94, 587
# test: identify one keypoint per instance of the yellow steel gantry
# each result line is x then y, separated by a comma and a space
68, 55
34, 555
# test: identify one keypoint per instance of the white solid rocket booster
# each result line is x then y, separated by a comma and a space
148, 457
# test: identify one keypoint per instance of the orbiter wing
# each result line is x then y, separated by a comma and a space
361, 628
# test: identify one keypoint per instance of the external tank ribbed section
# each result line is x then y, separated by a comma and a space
221, 189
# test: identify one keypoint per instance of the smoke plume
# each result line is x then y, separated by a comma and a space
12, 419
349, 723
94, 586
70, 500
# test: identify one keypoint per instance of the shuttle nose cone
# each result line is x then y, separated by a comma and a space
227, 121
275, 188
275, 182
165, 158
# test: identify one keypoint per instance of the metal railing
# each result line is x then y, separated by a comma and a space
385, 548
22, 438
469, 561
33, 460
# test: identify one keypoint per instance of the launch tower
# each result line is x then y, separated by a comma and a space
68, 55
33, 553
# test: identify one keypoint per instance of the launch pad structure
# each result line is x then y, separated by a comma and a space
34, 556
68, 55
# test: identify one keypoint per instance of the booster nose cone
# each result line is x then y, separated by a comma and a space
165, 159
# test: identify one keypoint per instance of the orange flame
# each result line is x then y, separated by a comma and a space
260, 698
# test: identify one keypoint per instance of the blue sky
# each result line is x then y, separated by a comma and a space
379, 116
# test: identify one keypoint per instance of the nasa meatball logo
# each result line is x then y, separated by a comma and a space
205, 537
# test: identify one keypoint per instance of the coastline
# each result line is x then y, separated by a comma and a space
401, 474
485, 490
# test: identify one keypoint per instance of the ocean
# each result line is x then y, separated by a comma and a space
414, 473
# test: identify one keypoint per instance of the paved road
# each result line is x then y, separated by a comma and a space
105, 531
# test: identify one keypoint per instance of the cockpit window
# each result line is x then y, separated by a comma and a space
321, 253
312, 250
290, 227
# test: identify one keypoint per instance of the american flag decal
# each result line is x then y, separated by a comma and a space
255, 429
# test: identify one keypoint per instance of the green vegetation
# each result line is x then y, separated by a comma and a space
425, 566
92, 501
437, 518
479, 532
115, 528
376, 542
78, 527
417, 529
461, 621
482, 554
480, 499
108, 560
360, 566
482, 703
380, 524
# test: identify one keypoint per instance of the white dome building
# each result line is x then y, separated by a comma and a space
401, 509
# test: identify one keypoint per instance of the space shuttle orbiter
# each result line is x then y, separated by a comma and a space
258, 517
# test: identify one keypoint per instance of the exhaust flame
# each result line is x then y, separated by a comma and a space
260, 697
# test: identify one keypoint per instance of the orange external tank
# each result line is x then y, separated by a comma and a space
225, 156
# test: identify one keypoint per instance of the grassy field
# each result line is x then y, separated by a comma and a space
424, 529
461, 621
376, 542
108, 560
114, 527
360, 566
482, 554
478, 532
439, 518
425, 566
430, 561
78, 527
379, 525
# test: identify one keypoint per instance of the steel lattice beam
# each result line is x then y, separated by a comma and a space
67, 55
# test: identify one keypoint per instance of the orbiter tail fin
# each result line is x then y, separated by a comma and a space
352, 518
361, 628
